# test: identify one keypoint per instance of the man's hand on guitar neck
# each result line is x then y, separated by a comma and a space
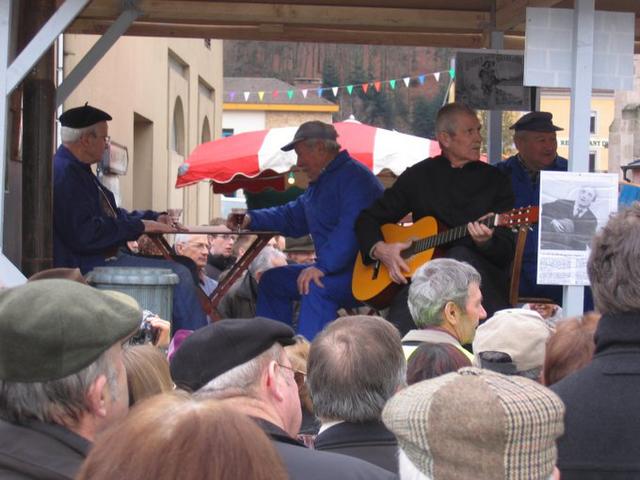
479, 232
390, 255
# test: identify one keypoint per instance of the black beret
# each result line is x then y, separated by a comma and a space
535, 122
50, 329
81, 117
217, 348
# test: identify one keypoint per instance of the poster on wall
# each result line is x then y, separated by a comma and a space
573, 207
492, 81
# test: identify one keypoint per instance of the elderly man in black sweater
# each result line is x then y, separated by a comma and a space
457, 189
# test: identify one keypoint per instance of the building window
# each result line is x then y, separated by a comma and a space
206, 131
177, 130
227, 132
593, 122
592, 160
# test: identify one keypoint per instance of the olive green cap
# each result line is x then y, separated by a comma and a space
50, 329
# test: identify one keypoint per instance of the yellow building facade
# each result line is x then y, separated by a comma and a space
558, 102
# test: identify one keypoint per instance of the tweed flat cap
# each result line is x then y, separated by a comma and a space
50, 329
311, 130
217, 348
520, 333
81, 117
477, 424
536, 122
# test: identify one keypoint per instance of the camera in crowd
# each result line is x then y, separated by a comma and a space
147, 333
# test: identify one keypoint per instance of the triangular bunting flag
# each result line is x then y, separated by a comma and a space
260, 95
421, 79
304, 92
290, 94
319, 91
406, 81
365, 87
232, 95
349, 89
452, 73
376, 85
335, 91
437, 76
275, 94
246, 96
392, 83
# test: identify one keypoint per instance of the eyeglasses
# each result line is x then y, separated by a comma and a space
107, 138
299, 376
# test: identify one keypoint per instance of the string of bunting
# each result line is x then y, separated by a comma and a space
376, 84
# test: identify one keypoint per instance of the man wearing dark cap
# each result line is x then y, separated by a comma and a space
340, 187
242, 362
535, 138
300, 250
89, 228
62, 380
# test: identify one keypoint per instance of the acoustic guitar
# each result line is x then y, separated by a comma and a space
373, 285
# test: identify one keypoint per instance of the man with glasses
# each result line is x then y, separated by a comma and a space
89, 228
221, 243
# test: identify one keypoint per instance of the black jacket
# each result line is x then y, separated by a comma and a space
370, 441
303, 463
40, 451
602, 424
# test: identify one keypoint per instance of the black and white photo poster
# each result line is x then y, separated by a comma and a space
573, 207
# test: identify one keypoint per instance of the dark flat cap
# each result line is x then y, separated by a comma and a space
311, 130
535, 122
81, 117
301, 244
217, 348
50, 329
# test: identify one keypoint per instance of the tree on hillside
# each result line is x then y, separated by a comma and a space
423, 120
330, 77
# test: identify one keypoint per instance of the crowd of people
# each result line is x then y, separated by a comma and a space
295, 381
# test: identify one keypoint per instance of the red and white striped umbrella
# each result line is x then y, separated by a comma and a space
253, 160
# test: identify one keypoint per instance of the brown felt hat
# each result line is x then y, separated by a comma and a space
50, 329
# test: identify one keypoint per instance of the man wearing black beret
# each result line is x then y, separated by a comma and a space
89, 228
242, 362
535, 138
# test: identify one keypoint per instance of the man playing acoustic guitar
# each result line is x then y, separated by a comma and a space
457, 189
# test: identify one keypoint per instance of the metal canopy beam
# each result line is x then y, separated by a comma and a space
93, 56
39, 44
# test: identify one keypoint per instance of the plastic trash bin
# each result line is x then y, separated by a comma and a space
151, 287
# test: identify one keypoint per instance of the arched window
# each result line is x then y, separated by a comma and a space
177, 129
206, 131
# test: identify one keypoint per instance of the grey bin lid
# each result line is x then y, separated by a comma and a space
132, 276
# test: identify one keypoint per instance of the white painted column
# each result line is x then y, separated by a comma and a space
494, 128
6, 7
583, 35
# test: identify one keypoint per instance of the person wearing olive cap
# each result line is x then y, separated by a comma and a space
89, 228
62, 380
340, 187
242, 362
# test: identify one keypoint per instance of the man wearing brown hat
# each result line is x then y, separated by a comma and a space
89, 228
476, 424
300, 250
62, 379
535, 138
242, 362
340, 187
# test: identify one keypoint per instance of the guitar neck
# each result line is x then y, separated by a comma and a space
448, 236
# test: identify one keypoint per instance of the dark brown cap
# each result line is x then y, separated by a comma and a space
311, 130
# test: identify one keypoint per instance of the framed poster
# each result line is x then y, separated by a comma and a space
573, 207
115, 159
492, 81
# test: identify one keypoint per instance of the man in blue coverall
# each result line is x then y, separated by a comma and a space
89, 228
340, 187
535, 138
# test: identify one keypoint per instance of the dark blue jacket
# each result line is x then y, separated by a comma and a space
83, 234
327, 210
528, 193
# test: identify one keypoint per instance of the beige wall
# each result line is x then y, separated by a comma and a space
138, 82
288, 119
559, 105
